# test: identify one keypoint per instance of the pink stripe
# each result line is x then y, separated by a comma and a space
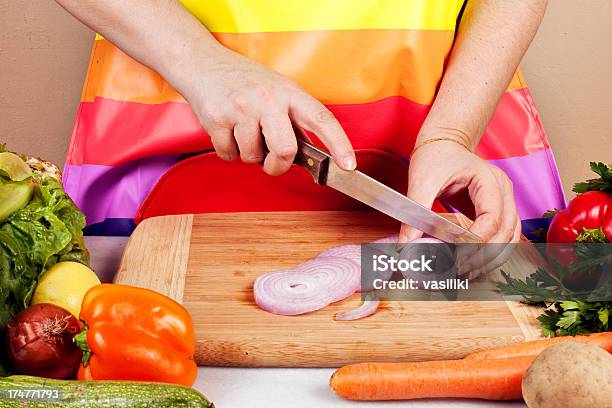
110, 132
117, 192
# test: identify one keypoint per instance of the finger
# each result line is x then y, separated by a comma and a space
505, 233
223, 141
311, 115
510, 216
496, 253
280, 139
488, 208
250, 141
502, 258
422, 191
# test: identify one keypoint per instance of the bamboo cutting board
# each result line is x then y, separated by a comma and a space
209, 262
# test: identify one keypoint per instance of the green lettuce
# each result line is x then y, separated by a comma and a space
47, 230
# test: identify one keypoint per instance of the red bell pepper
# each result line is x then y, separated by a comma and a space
587, 218
135, 334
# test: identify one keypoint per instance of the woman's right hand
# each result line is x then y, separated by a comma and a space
242, 105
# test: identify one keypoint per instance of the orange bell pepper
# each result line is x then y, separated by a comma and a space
135, 334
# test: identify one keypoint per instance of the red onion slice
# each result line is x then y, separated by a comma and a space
290, 293
339, 276
367, 308
352, 252
308, 287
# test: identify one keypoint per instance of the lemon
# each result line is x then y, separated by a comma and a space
64, 285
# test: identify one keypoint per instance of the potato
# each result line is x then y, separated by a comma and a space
569, 374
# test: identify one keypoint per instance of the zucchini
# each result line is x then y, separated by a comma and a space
90, 394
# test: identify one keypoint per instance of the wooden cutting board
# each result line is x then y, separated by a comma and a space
209, 262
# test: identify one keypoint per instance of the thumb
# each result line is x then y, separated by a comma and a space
423, 192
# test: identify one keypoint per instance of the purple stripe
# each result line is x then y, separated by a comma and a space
114, 192
117, 192
537, 187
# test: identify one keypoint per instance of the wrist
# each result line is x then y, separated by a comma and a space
187, 61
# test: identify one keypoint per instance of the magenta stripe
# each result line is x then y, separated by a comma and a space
537, 187
114, 192
117, 192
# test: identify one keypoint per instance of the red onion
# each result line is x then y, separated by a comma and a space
367, 308
308, 287
39, 342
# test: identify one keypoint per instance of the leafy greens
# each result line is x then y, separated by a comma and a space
39, 226
47, 230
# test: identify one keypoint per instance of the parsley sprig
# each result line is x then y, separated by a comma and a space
572, 317
602, 183
569, 311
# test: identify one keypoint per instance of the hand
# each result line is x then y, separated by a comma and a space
483, 192
242, 105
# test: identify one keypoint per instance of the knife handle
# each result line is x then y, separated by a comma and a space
314, 160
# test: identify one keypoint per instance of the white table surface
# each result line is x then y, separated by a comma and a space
269, 387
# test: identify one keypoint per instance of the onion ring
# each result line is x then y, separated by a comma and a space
308, 287
368, 307
340, 276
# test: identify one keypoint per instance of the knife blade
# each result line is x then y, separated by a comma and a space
373, 193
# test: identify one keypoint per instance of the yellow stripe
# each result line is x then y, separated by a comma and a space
243, 16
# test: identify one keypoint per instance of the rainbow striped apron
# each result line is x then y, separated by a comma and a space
376, 64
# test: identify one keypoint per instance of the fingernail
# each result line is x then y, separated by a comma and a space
349, 163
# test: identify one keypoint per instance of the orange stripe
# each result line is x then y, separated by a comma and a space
335, 67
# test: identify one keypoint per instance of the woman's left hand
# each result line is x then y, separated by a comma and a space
447, 170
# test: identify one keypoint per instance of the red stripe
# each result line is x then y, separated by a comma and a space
109, 132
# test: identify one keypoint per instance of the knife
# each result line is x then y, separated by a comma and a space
364, 188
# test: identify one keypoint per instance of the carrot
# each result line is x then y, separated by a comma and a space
533, 348
491, 379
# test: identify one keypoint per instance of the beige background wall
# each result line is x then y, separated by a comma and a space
44, 53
